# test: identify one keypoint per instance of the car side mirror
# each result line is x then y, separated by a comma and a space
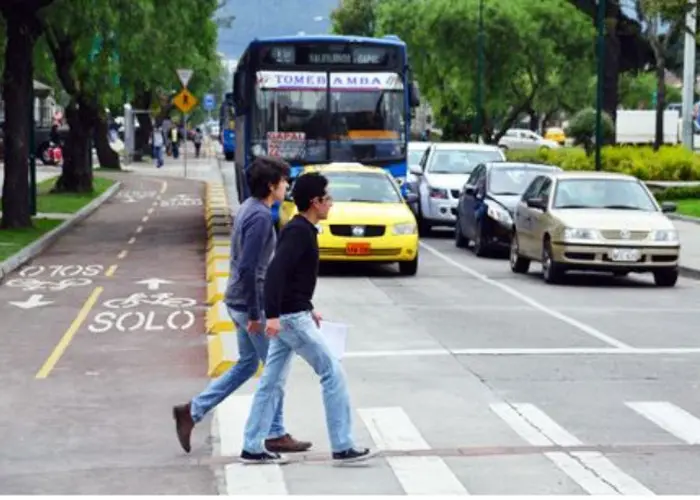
410, 197
537, 203
469, 189
415, 170
668, 206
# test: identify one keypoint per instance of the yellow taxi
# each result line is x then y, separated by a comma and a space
370, 219
556, 134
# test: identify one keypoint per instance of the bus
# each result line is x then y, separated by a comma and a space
321, 99
227, 127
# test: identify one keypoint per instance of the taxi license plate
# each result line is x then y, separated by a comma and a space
624, 255
357, 249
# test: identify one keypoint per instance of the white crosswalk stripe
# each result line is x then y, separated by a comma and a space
671, 418
391, 429
591, 470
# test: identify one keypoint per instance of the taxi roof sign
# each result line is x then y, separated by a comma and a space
185, 101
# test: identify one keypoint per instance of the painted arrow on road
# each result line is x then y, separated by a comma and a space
32, 302
153, 283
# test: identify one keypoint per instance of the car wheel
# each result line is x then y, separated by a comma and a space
480, 247
461, 241
518, 264
666, 277
552, 271
409, 267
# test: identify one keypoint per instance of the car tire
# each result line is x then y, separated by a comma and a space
666, 277
409, 267
518, 264
552, 271
461, 241
480, 248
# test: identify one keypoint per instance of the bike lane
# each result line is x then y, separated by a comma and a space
101, 335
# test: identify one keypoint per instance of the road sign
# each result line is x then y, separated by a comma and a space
209, 102
185, 101
184, 75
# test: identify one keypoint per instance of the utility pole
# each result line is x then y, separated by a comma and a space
600, 75
480, 73
689, 74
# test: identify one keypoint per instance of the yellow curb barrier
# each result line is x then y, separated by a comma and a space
218, 241
218, 252
218, 268
223, 354
218, 319
216, 289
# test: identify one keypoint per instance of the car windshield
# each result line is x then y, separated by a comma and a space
362, 187
461, 161
620, 194
512, 180
292, 118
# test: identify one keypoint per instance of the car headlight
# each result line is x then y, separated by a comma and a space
573, 233
405, 228
665, 235
499, 215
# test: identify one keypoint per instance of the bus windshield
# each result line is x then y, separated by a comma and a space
361, 119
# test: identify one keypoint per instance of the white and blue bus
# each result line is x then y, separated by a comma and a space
322, 99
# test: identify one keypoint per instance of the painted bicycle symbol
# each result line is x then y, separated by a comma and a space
31, 284
156, 299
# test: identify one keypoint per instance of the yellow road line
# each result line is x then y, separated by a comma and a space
110, 271
65, 341
122, 254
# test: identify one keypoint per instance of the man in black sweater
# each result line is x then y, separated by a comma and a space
293, 326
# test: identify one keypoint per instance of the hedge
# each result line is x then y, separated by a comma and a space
669, 163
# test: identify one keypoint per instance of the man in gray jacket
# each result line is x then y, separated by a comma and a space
252, 245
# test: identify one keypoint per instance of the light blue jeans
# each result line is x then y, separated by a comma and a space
252, 348
299, 334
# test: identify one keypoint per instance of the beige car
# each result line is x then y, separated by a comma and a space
593, 221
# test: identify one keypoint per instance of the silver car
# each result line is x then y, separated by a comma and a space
441, 174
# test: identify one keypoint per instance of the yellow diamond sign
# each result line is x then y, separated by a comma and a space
185, 101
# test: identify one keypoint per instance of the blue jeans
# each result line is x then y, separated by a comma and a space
252, 348
299, 334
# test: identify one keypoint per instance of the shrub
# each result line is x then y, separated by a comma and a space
582, 128
669, 163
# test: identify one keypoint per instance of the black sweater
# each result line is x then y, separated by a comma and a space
291, 275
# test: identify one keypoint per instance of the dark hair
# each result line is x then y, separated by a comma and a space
306, 188
266, 170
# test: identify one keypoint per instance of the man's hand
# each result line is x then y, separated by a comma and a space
255, 326
272, 327
317, 318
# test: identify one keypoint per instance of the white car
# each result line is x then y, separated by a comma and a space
442, 172
522, 138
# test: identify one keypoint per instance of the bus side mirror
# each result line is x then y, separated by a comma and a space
413, 95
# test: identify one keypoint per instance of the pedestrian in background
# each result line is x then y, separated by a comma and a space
293, 326
252, 245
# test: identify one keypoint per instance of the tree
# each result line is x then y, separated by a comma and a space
354, 17
22, 30
533, 51
637, 91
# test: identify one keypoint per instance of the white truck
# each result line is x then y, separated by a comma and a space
638, 126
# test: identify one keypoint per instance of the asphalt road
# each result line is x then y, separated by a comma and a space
475, 380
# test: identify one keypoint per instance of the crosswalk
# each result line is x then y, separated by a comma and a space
409, 463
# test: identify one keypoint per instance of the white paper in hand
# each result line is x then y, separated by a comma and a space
335, 335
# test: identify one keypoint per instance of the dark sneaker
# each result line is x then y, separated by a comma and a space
183, 425
286, 444
352, 455
262, 458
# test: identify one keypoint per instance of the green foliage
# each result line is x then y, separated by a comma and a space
582, 128
669, 163
636, 91
676, 193
538, 55
354, 17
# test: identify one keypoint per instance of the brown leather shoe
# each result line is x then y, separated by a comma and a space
183, 425
286, 444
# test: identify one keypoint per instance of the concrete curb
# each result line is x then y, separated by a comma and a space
684, 218
30, 252
689, 272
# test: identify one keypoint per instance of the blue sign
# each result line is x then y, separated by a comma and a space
209, 102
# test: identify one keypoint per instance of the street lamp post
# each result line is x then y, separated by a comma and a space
600, 76
480, 72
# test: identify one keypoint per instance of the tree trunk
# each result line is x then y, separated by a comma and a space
660, 98
17, 95
611, 73
142, 102
107, 157
77, 171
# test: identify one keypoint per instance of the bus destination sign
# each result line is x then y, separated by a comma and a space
331, 55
